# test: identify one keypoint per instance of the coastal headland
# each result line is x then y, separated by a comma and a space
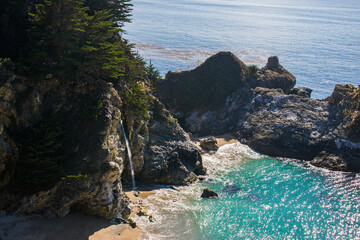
222, 97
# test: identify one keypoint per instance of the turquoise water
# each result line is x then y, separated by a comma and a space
279, 200
316, 40
260, 198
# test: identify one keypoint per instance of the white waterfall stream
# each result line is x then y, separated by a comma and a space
129, 155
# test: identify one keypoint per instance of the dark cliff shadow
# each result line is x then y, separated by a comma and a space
74, 226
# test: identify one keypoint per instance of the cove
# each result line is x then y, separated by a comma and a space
274, 199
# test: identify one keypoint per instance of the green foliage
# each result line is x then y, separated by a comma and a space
252, 71
72, 45
41, 158
91, 108
120, 9
153, 75
70, 179
137, 101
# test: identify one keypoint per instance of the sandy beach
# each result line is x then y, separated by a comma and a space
221, 139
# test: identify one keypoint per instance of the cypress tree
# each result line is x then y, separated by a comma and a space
70, 44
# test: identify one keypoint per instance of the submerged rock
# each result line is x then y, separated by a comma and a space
231, 189
207, 193
252, 197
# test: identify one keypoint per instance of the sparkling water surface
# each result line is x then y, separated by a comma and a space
260, 198
318, 41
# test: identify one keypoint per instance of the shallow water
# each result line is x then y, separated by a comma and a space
273, 199
318, 41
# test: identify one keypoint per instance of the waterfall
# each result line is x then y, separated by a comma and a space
129, 155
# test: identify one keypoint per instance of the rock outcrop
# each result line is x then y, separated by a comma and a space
203, 88
273, 75
207, 193
209, 143
207, 100
267, 113
62, 147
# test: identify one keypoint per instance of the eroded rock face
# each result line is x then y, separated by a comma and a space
285, 125
209, 99
94, 161
267, 113
170, 157
209, 143
273, 75
89, 116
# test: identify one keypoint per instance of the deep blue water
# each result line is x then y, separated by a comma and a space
316, 40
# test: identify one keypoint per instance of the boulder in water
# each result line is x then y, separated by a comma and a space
207, 193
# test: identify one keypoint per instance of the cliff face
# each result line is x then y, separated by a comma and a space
267, 113
62, 147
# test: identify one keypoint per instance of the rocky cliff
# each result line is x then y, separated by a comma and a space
266, 112
62, 147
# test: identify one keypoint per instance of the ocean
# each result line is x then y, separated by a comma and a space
260, 198
318, 41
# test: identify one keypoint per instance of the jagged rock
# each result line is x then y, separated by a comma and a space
286, 125
283, 125
170, 156
273, 63
341, 93
210, 98
266, 112
205, 87
209, 143
207, 193
273, 75
301, 91
329, 161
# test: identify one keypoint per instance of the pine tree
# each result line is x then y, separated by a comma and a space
70, 44
119, 8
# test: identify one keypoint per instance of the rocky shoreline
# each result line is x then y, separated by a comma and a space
265, 111
19, 226
260, 107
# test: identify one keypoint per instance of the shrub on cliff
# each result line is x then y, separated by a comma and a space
137, 101
41, 160
252, 73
